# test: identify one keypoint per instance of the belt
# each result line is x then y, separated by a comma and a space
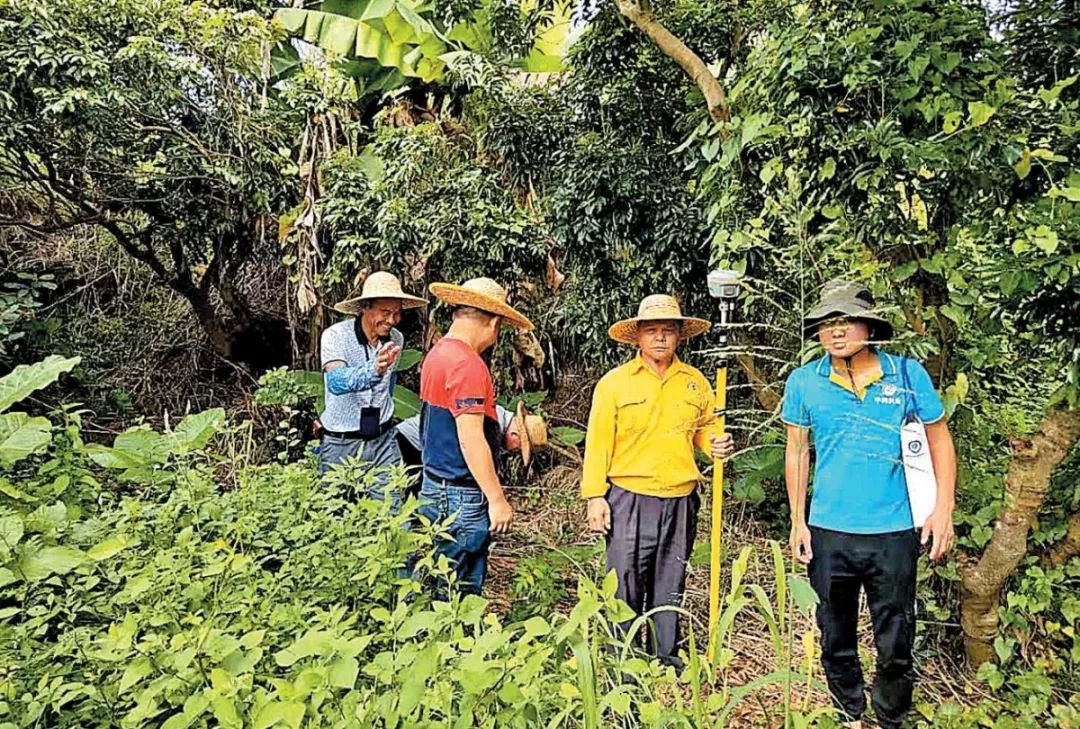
357, 435
466, 483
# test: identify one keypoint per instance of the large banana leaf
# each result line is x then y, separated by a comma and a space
388, 31
398, 35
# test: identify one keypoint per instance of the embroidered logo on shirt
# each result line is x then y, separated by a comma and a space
467, 402
888, 395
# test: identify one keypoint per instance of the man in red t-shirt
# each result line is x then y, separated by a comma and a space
459, 428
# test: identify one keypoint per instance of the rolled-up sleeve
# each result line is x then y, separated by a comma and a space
599, 442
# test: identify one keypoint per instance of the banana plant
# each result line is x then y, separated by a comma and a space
394, 40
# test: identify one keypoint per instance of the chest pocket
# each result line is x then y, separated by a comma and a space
632, 415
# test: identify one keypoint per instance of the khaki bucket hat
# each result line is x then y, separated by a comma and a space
380, 285
483, 294
657, 307
533, 431
841, 297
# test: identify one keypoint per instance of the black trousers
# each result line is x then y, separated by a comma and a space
884, 565
649, 545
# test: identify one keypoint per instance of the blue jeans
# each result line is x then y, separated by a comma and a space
467, 548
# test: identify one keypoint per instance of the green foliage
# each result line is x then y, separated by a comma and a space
280, 602
19, 300
147, 120
303, 391
398, 40
20, 434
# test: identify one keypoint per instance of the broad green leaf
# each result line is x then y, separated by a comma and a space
832, 212
343, 672
225, 712
110, 547
1023, 165
904, 271
568, 434
22, 436
141, 444
25, 379
980, 112
13, 492
136, 671
6, 577
11, 531
1071, 194
802, 594
1051, 94
408, 359
951, 122
39, 564
269, 715
406, 403
196, 430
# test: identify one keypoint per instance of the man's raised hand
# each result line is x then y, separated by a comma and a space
386, 357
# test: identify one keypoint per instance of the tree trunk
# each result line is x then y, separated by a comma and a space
1069, 547
641, 16
1026, 486
766, 394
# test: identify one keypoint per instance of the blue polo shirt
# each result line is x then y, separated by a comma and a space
858, 485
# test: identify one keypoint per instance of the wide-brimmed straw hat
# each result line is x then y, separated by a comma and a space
483, 294
380, 285
658, 307
842, 298
533, 431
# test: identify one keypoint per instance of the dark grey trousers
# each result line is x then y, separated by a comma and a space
649, 545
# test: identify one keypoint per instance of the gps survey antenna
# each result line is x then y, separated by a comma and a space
724, 285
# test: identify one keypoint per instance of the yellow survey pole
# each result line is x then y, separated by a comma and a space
717, 531
725, 286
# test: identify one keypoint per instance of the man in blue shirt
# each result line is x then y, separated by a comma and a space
358, 360
851, 404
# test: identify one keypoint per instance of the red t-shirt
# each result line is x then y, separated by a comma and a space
454, 380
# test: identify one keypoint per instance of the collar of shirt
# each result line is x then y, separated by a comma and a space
888, 371
637, 365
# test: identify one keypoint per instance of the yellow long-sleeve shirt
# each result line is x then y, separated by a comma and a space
643, 429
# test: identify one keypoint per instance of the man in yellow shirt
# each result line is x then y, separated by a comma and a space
640, 476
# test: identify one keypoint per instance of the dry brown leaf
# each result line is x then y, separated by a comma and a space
555, 277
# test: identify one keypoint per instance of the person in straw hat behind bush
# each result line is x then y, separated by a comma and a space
860, 533
459, 428
358, 356
639, 475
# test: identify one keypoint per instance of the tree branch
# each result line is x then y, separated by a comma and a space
690, 62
